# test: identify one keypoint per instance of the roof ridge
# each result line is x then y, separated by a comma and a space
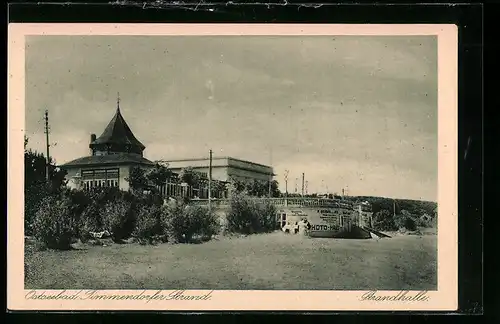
108, 159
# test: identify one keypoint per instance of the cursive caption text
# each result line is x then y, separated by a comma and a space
405, 295
96, 295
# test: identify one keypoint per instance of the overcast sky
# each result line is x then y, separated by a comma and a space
351, 112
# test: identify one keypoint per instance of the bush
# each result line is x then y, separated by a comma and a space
54, 223
181, 222
34, 195
117, 218
266, 213
148, 223
383, 221
405, 220
89, 206
427, 221
248, 216
172, 219
207, 223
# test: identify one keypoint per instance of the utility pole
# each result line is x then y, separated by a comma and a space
271, 165
303, 184
286, 186
47, 166
286, 182
210, 182
270, 182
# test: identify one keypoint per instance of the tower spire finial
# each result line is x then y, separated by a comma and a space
118, 102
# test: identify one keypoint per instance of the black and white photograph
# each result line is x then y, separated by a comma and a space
231, 163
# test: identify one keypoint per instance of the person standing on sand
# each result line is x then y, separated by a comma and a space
304, 226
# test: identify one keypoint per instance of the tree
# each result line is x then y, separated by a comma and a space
217, 187
236, 185
255, 188
275, 191
137, 179
35, 169
159, 174
141, 179
189, 176
36, 187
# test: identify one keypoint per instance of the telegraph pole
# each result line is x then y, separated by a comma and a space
302, 184
286, 187
270, 181
47, 166
286, 183
210, 182
271, 164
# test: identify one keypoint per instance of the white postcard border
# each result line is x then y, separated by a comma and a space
445, 298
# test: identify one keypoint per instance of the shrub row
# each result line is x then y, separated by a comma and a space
76, 214
384, 220
71, 214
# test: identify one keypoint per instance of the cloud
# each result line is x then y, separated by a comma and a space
318, 103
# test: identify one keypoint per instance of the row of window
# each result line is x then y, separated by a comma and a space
89, 184
100, 174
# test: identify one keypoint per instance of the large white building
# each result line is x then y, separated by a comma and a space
225, 168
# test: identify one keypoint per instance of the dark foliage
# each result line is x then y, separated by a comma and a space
181, 222
36, 187
250, 216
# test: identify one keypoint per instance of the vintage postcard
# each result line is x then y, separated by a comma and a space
203, 167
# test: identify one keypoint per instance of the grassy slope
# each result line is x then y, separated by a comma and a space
268, 261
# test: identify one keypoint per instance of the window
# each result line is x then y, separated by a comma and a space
100, 178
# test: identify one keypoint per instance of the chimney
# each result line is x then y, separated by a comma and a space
92, 139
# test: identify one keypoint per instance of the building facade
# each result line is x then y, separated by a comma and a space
225, 168
112, 156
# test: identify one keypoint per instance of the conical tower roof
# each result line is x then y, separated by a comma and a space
118, 135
